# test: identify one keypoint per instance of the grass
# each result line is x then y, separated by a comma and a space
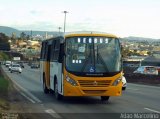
3, 85
3, 92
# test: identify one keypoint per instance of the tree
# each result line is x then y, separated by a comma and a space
3, 56
4, 44
13, 38
3, 38
23, 36
125, 52
149, 53
28, 37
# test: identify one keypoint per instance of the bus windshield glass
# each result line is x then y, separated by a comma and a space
90, 54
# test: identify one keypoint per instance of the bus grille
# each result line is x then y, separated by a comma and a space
94, 83
94, 91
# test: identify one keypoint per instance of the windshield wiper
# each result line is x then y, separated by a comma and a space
86, 61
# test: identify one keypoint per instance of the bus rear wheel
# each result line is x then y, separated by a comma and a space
104, 98
57, 95
45, 89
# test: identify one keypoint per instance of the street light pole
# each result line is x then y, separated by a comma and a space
65, 12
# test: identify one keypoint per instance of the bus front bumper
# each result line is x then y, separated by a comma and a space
70, 90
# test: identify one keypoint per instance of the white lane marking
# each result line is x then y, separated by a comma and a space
152, 110
27, 97
53, 113
24, 95
27, 92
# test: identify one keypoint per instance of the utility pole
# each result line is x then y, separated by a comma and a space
65, 12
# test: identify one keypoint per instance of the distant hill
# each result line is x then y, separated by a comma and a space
42, 33
140, 39
9, 30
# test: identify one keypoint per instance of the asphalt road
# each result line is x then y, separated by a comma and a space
135, 99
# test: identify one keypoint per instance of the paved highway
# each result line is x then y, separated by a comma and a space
136, 99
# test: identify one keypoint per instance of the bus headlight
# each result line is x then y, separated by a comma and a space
117, 81
71, 81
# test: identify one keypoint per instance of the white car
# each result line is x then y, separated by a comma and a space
9, 67
16, 68
8, 63
124, 83
148, 70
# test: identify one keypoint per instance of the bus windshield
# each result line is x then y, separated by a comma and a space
91, 54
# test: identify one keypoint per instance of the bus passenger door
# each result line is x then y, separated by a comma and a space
47, 66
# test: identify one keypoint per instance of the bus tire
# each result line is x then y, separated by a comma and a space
104, 98
123, 88
57, 95
45, 89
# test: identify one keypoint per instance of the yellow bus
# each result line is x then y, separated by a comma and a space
82, 64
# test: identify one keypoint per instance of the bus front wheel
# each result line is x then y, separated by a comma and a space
57, 95
104, 98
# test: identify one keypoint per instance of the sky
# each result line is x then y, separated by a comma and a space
123, 18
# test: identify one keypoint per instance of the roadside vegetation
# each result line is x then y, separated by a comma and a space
4, 84
3, 56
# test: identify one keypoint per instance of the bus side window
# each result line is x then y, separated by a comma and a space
56, 50
52, 50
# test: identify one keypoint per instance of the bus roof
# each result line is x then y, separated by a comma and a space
82, 33
88, 33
